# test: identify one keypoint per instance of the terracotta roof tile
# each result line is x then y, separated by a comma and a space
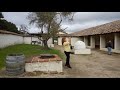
101, 29
7, 32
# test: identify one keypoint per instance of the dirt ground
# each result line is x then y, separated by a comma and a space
96, 65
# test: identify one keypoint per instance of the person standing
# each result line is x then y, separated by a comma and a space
67, 50
109, 47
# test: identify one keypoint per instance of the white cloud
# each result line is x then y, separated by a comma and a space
81, 20
78, 26
17, 18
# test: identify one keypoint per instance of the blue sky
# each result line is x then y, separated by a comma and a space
82, 20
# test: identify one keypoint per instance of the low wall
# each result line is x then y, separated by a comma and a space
7, 40
44, 66
10, 39
27, 40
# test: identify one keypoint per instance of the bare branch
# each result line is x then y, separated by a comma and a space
49, 21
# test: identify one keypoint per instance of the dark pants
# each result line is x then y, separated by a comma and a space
67, 57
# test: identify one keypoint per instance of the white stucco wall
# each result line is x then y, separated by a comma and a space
74, 40
86, 40
7, 39
102, 41
27, 40
117, 41
44, 66
92, 41
59, 40
50, 41
35, 39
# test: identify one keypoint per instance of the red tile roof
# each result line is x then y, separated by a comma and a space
63, 35
7, 32
101, 29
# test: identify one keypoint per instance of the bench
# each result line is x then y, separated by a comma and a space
34, 42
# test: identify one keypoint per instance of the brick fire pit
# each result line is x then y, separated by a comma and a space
45, 63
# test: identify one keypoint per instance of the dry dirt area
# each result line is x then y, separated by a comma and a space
96, 65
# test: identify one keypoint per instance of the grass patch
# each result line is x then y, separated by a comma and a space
26, 49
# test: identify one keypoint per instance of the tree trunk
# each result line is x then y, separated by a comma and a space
53, 40
45, 44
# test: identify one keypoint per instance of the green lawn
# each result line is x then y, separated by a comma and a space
27, 50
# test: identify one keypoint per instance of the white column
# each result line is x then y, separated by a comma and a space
86, 40
92, 41
117, 41
102, 41
59, 40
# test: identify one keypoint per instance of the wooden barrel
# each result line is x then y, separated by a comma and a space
15, 64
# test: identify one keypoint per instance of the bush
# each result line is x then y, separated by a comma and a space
8, 26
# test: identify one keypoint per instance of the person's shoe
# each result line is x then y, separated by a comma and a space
69, 66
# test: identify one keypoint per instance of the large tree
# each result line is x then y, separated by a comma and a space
49, 23
23, 29
8, 26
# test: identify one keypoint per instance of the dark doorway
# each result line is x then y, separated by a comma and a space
82, 38
97, 41
110, 37
88, 38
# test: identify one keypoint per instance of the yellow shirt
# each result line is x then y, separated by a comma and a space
66, 46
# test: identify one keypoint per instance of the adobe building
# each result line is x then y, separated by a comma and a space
97, 37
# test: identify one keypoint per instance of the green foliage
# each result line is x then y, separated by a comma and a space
8, 26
